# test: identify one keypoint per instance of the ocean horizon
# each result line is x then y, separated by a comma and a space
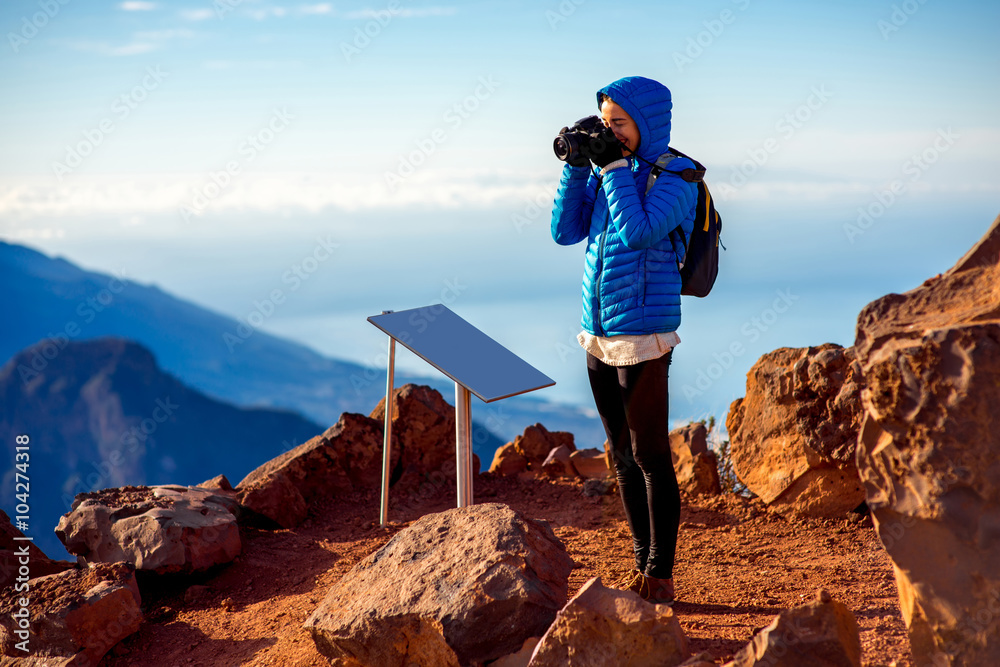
789, 277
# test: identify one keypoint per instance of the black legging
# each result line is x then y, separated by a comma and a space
633, 404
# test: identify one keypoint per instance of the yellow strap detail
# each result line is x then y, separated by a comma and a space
708, 200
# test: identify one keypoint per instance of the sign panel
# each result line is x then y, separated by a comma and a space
462, 352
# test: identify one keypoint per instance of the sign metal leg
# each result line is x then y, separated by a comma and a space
463, 445
383, 515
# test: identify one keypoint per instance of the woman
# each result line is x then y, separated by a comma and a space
632, 308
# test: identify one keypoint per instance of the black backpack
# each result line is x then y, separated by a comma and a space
700, 264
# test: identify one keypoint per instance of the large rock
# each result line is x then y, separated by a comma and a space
590, 463
603, 626
348, 457
20, 559
345, 457
423, 431
696, 465
822, 633
162, 529
476, 580
929, 453
537, 441
508, 461
558, 463
793, 435
76, 616
529, 454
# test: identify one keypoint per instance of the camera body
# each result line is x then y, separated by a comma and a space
584, 138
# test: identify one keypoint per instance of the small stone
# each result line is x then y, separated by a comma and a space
696, 467
604, 626
593, 488
220, 482
817, 633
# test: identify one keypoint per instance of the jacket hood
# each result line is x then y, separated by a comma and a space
648, 103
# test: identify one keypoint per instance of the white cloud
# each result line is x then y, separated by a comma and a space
266, 12
197, 14
34, 234
427, 11
320, 8
419, 12
105, 49
136, 194
251, 65
143, 41
146, 194
136, 6
163, 35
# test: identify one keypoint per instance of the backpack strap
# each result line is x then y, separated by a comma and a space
658, 168
696, 175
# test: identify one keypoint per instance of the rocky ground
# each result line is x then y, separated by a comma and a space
738, 565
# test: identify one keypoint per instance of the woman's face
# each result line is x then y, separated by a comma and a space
621, 124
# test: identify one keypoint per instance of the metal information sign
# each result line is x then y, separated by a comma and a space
474, 361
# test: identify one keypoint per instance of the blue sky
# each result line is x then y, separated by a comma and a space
205, 146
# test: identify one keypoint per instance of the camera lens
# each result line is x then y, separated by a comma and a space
562, 147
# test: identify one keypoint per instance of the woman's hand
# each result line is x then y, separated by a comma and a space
604, 152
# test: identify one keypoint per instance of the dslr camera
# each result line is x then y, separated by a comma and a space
584, 138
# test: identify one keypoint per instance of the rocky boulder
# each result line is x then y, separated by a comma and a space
469, 584
75, 617
696, 465
929, 453
162, 529
558, 463
603, 626
508, 461
590, 463
535, 452
823, 633
347, 456
537, 441
793, 435
423, 432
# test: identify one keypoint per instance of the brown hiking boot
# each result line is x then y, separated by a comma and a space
658, 591
633, 581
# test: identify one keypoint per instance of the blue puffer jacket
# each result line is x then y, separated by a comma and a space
631, 284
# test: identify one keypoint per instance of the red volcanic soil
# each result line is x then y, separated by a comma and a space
738, 565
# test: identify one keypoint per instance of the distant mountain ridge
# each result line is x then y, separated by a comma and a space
52, 298
101, 413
